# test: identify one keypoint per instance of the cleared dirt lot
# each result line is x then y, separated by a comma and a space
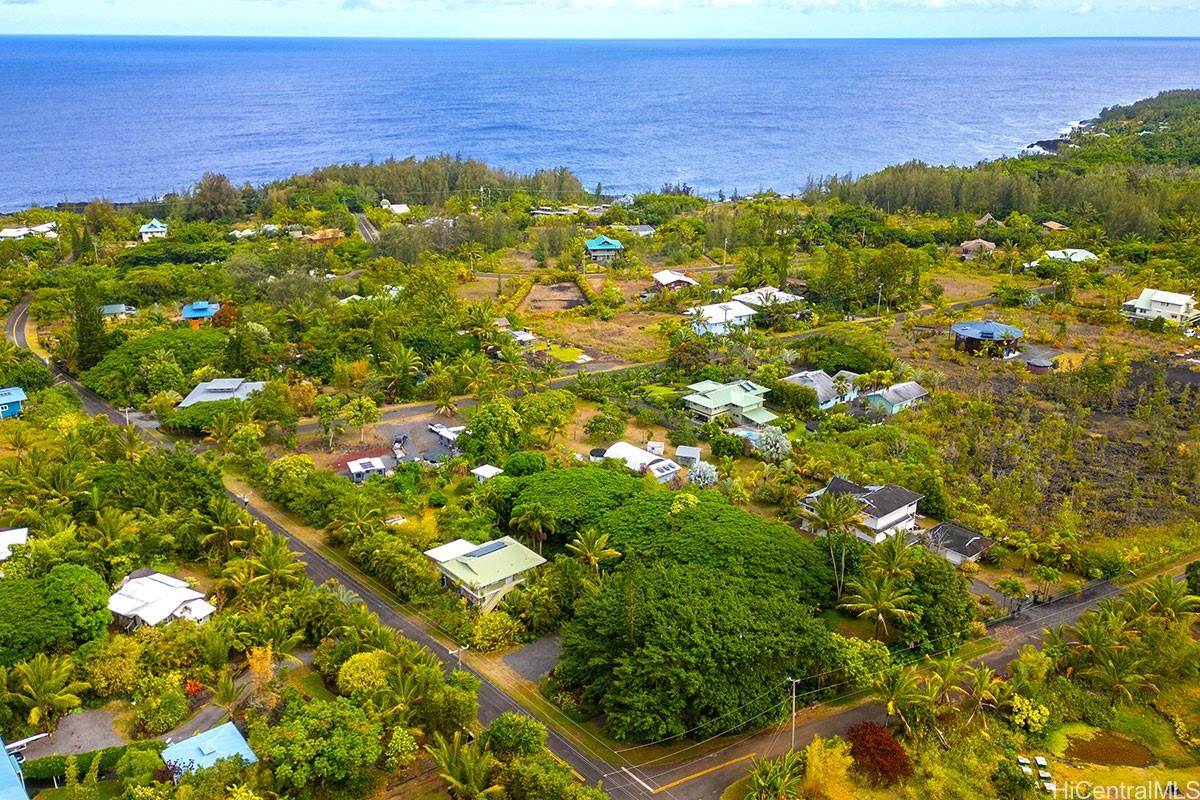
555, 297
630, 336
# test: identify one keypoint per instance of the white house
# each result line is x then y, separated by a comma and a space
10, 539
221, 389
395, 208
46, 229
363, 468
766, 296
956, 544
670, 279
886, 510
831, 390
147, 597
153, 230
1154, 303
485, 472
720, 318
639, 460
1073, 254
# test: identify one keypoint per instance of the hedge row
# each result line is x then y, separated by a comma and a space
51, 767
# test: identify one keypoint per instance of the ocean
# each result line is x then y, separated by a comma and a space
131, 118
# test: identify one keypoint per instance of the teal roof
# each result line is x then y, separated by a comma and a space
740, 394
11, 785
205, 749
604, 243
759, 415
153, 226
493, 562
13, 394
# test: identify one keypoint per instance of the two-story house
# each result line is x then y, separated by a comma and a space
484, 573
886, 509
1155, 304
740, 401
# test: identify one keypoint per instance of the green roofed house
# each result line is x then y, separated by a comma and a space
740, 401
484, 573
604, 250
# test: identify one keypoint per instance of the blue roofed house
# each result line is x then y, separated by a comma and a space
205, 749
604, 250
12, 782
987, 337
199, 311
153, 230
11, 400
117, 311
895, 399
831, 390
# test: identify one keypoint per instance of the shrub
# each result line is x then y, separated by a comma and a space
363, 674
523, 463
512, 734
703, 475
686, 435
52, 767
877, 754
161, 704
494, 631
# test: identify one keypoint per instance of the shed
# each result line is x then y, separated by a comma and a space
1039, 366
11, 401
364, 468
485, 472
687, 455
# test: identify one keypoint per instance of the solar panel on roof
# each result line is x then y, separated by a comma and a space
487, 549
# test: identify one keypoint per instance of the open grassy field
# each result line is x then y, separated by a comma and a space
630, 335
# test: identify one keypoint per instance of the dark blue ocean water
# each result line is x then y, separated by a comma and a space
136, 117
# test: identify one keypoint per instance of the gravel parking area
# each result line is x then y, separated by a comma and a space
535, 660
81, 732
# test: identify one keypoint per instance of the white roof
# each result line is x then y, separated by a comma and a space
1072, 254
521, 336
396, 208
667, 276
766, 296
449, 434
155, 598
1149, 296
450, 550
365, 464
721, 312
221, 389
486, 471
636, 459
12, 537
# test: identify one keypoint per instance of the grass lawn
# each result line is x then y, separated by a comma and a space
567, 355
737, 790
309, 681
848, 626
630, 335
1150, 729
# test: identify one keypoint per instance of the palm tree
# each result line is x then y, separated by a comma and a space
467, 769
220, 431
273, 565
777, 779
1122, 674
227, 694
899, 689
1163, 597
981, 692
835, 515
361, 518
894, 557
45, 686
534, 521
108, 534
878, 597
228, 527
591, 547
399, 369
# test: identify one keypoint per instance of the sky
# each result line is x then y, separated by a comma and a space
619, 19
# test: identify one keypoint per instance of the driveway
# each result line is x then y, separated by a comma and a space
535, 660
81, 732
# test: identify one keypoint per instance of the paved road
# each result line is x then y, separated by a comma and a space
366, 228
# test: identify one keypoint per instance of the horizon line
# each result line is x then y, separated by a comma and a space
353, 37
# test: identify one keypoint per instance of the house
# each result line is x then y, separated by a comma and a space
987, 337
988, 219
12, 781
153, 230
831, 390
485, 472
1155, 304
447, 435
956, 544
604, 250
11, 400
395, 208
897, 398
767, 296
221, 389
641, 230
147, 597
720, 318
46, 229
976, 248
741, 401
687, 455
886, 509
525, 339
10, 539
672, 280
1073, 254
1056, 227
484, 573
197, 312
363, 468
501, 323
117, 311
205, 749
639, 460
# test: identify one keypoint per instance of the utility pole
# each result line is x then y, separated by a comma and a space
724, 252
879, 299
459, 653
793, 682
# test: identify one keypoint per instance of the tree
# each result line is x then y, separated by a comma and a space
45, 686
361, 412
894, 557
1012, 589
214, 198
90, 338
827, 770
82, 596
493, 432
592, 548
534, 521
318, 743
1122, 672
777, 778
466, 768
512, 734
879, 598
877, 754
773, 444
329, 411
836, 515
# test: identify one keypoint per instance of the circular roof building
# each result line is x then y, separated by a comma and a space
987, 337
